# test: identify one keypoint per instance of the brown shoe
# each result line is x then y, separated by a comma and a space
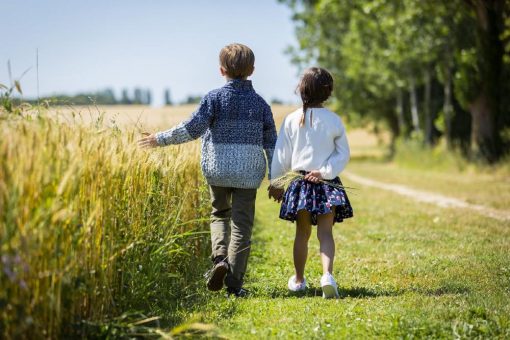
216, 275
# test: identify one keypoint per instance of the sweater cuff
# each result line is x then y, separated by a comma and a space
160, 138
326, 172
176, 135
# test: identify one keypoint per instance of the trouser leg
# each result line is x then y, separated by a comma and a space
220, 220
243, 213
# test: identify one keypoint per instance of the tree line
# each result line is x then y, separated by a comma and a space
107, 97
427, 69
138, 96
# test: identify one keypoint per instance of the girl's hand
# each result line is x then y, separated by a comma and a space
149, 141
313, 176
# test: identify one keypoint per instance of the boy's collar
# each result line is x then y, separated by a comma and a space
239, 84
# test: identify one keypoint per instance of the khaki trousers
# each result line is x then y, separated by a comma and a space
233, 212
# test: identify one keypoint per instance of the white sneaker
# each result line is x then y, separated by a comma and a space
329, 287
296, 287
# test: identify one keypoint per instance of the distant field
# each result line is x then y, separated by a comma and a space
145, 118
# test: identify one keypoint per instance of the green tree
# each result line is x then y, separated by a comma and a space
148, 97
391, 57
125, 97
192, 99
138, 96
485, 78
168, 98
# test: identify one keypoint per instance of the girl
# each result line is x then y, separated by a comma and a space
312, 141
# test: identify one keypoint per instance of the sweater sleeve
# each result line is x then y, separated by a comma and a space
191, 129
269, 138
337, 162
282, 158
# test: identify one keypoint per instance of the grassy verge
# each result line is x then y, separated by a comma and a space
97, 237
489, 188
404, 269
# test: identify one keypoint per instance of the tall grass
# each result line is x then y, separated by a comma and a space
413, 154
92, 227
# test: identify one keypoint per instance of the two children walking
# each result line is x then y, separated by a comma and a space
238, 135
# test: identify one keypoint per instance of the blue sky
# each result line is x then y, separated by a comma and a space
91, 45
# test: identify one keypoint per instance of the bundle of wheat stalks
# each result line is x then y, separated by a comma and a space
285, 180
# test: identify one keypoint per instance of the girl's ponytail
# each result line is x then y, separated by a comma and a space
315, 87
303, 116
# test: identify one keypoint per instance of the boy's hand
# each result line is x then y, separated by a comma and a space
275, 193
313, 176
149, 141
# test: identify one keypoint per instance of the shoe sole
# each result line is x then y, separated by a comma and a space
215, 283
329, 292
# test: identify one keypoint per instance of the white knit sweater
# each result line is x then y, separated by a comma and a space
318, 145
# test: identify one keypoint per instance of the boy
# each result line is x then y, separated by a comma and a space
237, 127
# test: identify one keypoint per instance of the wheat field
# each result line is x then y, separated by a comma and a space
91, 225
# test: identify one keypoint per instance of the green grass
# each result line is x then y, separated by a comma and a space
404, 269
490, 188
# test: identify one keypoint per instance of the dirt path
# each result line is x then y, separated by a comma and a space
430, 197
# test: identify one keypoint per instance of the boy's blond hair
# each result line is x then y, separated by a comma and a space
237, 60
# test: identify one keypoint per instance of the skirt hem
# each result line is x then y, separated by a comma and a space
318, 199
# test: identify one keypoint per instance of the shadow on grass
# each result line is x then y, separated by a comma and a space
354, 292
363, 292
448, 289
357, 292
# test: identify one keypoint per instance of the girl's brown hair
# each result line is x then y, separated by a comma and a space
315, 87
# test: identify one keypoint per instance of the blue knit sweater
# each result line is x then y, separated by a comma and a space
236, 126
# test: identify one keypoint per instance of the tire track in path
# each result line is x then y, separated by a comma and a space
429, 197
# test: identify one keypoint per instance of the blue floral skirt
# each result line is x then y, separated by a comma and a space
318, 199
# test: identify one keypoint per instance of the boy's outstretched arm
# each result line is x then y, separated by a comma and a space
186, 131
